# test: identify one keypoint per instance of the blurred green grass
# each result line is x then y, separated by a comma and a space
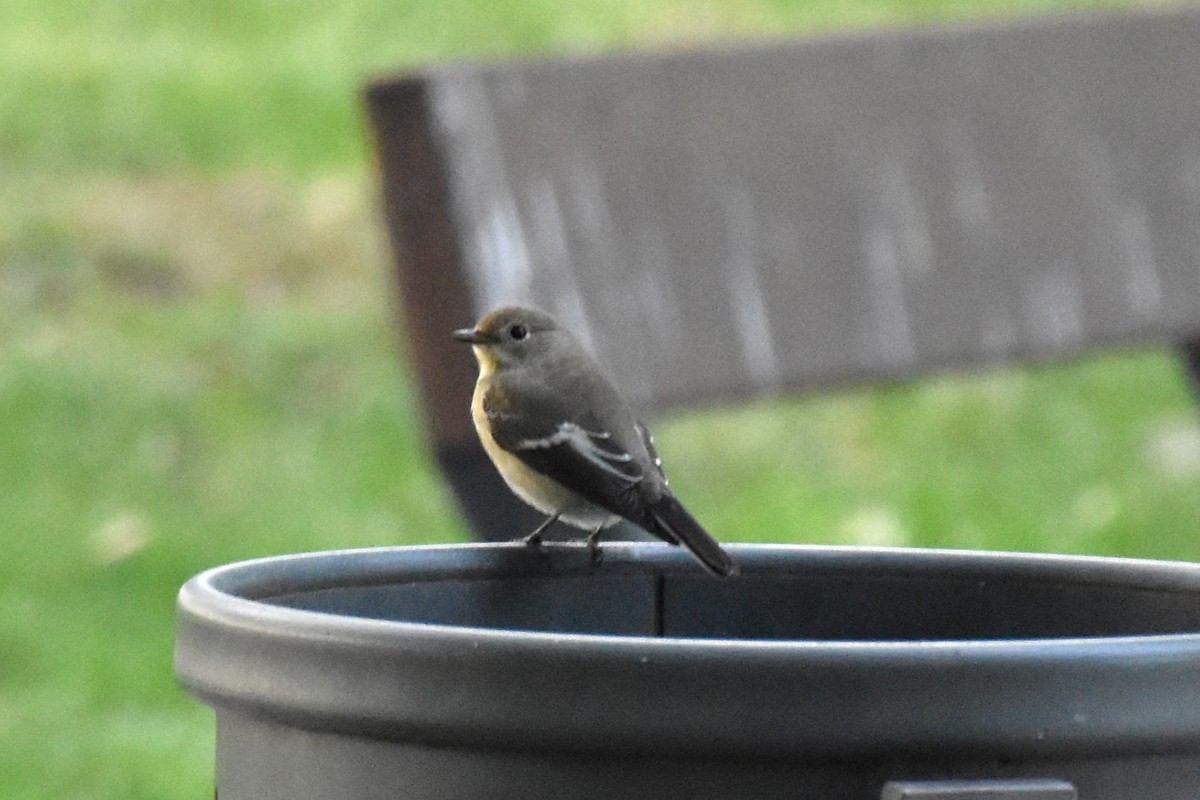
146, 85
197, 363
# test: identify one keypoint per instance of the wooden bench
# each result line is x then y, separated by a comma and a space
790, 216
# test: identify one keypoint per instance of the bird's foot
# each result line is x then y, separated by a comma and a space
593, 546
535, 539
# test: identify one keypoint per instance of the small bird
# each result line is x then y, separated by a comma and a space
564, 440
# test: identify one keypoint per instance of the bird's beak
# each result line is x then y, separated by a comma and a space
471, 336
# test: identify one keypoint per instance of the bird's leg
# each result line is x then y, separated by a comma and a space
593, 544
534, 539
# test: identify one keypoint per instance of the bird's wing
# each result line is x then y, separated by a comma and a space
581, 455
578, 453
648, 441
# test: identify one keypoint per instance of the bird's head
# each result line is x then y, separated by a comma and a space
512, 336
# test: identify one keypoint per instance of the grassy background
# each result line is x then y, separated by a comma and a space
196, 364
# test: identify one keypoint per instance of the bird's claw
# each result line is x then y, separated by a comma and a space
535, 539
593, 546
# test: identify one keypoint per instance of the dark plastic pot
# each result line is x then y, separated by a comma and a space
500, 671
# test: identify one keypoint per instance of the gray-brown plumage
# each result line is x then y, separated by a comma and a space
565, 441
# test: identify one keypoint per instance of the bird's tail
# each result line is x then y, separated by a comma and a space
671, 521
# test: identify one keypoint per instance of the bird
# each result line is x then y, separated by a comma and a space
565, 441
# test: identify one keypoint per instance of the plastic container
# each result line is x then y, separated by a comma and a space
481, 671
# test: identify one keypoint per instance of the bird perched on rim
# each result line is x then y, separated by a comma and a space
565, 441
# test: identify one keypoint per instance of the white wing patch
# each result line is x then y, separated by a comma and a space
585, 443
648, 440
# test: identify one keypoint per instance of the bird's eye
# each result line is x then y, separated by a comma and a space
518, 332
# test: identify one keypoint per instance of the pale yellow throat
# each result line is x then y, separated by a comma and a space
488, 363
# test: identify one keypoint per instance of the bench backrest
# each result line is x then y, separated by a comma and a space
795, 215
